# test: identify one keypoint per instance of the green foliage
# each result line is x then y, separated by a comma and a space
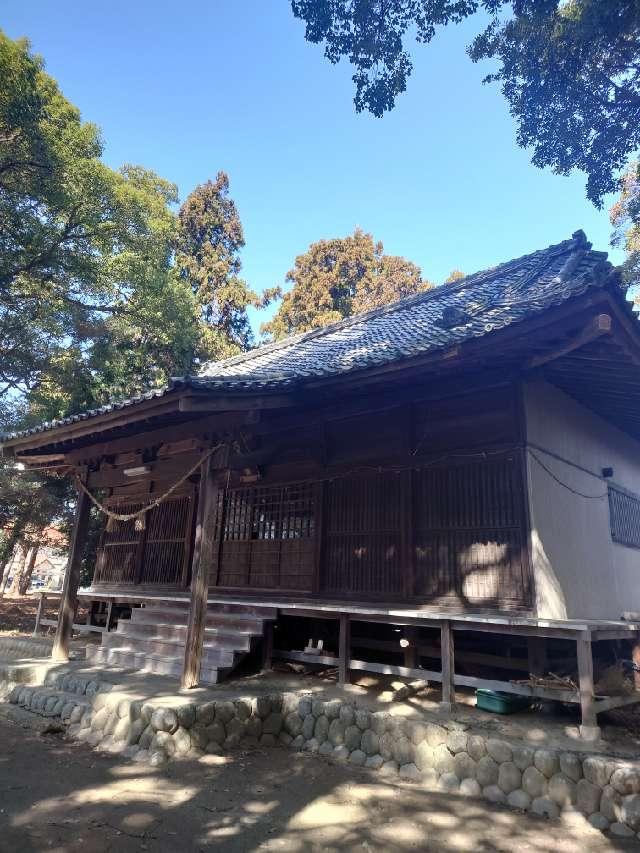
340, 277
208, 244
569, 70
625, 217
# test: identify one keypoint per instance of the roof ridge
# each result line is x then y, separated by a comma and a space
577, 240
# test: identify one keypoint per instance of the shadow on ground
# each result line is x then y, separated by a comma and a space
61, 796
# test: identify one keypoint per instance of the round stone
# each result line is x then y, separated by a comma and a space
182, 740
297, 742
424, 755
389, 768
457, 741
199, 736
164, 720
465, 766
509, 777
157, 758
435, 735
534, 782
163, 741
470, 788
347, 715
630, 811
417, 732
379, 722
321, 729
332, 709
272, 724
122, 729
325, 748
486, 771
620, 830
336, 732
308, 726
304, 707
403, 751
363, 720
216, 732
562, 790
340, 753
571, 766
317, 707
522, 757
352, 738
293, 724
146, 737
226, 711
599, 821
205, 714
545, 807
494, 794
476, 747
587, 797
375, 762
370, 742
386, 746
610, 803
626, 780
186, 715
547, 762
499, 750
253, 727
597, 770
357, 757
443, 760
519, 800
449, 782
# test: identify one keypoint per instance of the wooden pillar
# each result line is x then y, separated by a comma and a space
589, 729
41, 605
201, 563
344, 653
68, 602
537, 653
267, 645
109, 612
635, 656
448, 668
411, 651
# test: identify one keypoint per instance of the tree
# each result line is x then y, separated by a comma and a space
454, 275
340, 277
569, 69
208, 245
625, 217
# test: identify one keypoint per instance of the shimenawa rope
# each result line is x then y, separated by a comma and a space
139, 515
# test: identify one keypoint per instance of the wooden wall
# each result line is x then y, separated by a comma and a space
417, 500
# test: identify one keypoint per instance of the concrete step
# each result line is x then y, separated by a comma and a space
227, 638
235, 621
128, 657
211, 653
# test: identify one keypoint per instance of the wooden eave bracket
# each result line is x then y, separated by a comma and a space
601, 324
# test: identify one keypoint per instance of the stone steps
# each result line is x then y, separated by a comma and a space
248, 622
131, 658
224, 638
212, 654
65, 696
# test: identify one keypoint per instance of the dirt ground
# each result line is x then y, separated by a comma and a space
18, 615
61, 796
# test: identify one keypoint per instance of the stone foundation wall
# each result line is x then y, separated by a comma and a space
443, 756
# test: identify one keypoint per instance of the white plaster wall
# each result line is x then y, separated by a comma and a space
578, 571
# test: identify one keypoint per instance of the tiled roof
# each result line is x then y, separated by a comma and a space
435, 319
439, 318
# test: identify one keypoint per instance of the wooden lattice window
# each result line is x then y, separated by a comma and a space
268, 537
363, 535
469, 533
156, 556
624, 516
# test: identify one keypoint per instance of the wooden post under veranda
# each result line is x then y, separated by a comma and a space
201, 563
67, 609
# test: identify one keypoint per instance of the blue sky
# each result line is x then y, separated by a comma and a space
190, 88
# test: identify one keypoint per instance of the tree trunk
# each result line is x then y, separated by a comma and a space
14, 589
25, 578
7, 569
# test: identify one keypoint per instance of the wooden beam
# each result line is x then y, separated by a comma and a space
200, 567
344, 653
69, 599
267, 645
599, 326
39, 614
448, 668
589, 729
239, 403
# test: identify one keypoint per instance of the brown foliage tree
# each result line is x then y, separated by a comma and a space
340, 277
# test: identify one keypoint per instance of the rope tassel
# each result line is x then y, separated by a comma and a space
111, 524
140, 523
